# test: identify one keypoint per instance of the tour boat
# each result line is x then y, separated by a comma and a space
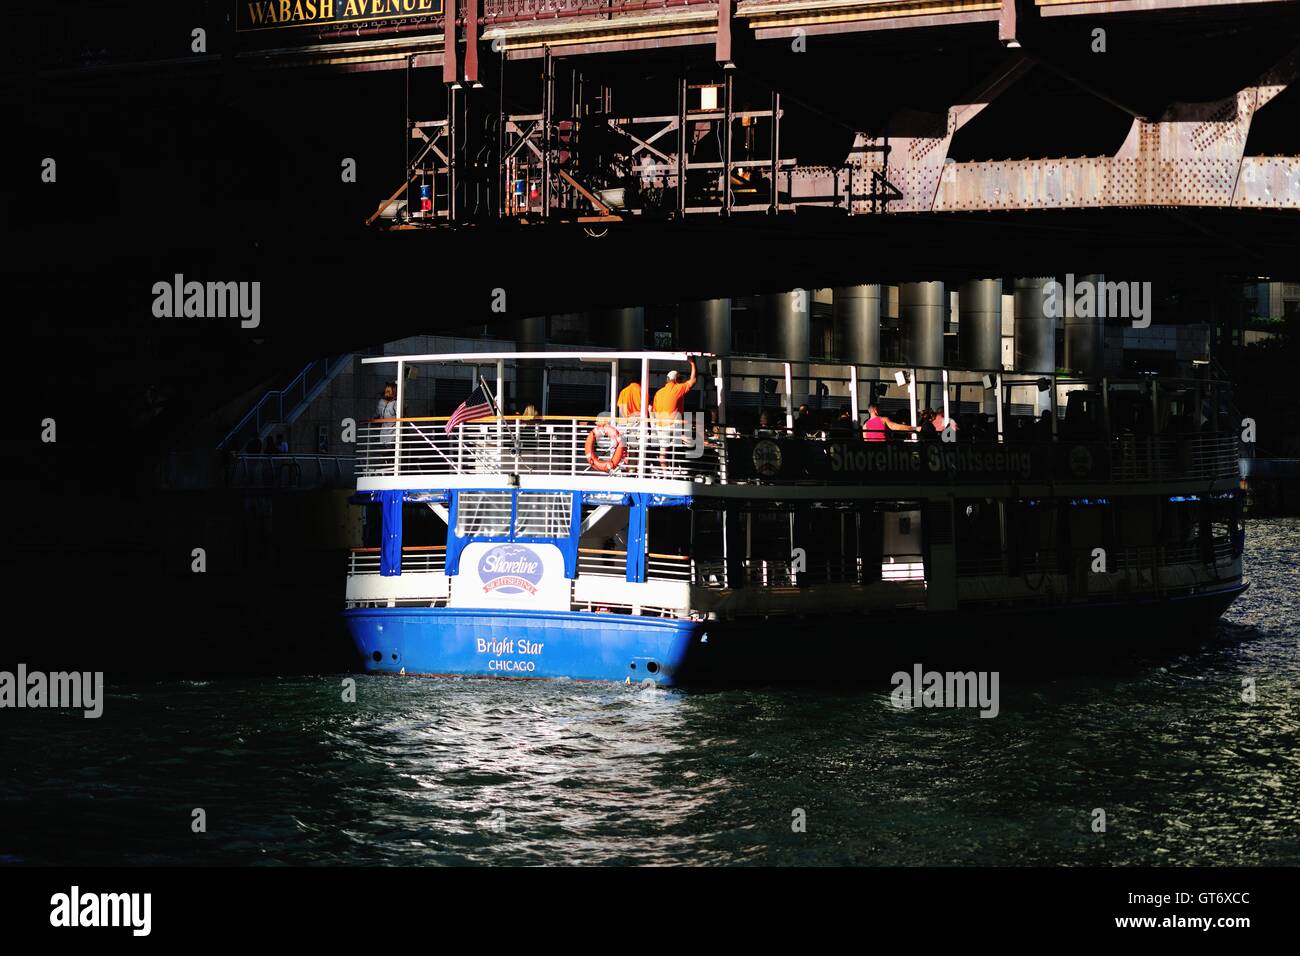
747, 541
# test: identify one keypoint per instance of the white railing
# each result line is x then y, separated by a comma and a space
659, 567
549, 446
668, 567
596, 561
1162, 457
414, 559
558, 446
1126, 558
780, 572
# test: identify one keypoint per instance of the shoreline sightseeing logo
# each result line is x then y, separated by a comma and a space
510, 569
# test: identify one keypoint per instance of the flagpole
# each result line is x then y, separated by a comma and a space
514, 435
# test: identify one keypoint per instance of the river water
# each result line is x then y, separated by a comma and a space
429, 771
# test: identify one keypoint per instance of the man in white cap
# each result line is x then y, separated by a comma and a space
668, 404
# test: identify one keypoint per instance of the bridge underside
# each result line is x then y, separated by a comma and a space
605, 112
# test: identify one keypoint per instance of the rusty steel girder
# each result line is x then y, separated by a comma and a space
1193, 155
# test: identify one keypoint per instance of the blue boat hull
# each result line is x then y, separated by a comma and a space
521, 644
804, 648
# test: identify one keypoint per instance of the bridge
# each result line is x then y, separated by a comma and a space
599, 112
586, 156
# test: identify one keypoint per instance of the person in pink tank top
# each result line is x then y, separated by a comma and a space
877, 424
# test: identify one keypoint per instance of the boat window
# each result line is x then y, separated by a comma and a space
669, 531
1090, 525
543, 514
977, 530
1179, 521
1037, 530
828, 537
769, 535
421, 526
902, 534
372, 525
708, 533
483, 513
606, 527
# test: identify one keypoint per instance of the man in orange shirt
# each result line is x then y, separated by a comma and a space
668, 403
629, 400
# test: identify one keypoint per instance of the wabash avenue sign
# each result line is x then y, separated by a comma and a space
279, 14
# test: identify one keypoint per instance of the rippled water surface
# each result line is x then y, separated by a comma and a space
425, 771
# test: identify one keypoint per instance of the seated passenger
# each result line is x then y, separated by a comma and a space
927, 430
804, 424
844, 428
1043, 427
941, 422
877, 426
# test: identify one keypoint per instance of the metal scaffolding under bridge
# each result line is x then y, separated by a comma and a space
538, 118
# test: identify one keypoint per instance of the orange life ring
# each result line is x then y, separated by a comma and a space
606, 430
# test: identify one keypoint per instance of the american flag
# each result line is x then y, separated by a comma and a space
478, 405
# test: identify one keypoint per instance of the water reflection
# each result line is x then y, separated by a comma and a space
423, 771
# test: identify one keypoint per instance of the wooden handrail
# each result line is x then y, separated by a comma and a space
623, 554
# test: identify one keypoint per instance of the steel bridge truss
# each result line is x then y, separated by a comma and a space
713, 156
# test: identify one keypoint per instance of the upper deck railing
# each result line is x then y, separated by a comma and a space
557, 446
1010, 426
537, 446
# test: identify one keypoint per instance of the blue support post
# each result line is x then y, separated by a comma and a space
455, 543
390, 548
569, 546
636, 539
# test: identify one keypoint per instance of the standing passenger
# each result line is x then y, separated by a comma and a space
668, 404
387, 409
629, 400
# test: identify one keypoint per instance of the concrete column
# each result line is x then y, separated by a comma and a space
1035, 331
572, 329
923, 316
979, 331
790, 315
530, 336
706, 326
856, 312
1085, 336
625, 328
